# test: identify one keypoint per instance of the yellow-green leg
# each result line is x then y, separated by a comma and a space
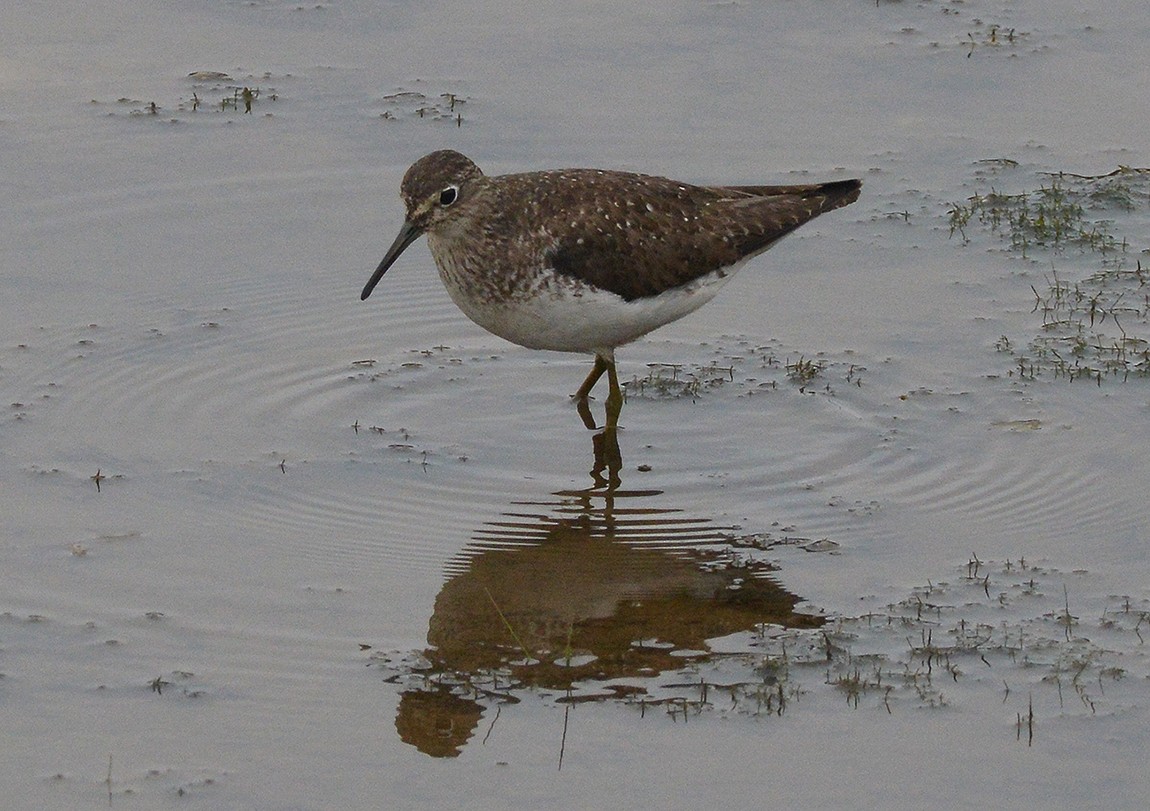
614, 394
593, 378
614, 397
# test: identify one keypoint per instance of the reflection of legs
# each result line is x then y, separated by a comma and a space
608, 460
614, 394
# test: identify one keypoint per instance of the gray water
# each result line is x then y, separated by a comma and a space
246, 515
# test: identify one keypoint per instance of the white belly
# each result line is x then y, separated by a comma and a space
564, 318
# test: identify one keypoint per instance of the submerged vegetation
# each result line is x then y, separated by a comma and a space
764, 367
1094, 328
1057, 215
407, 104
671, 380
1084, 326
804, 371
211, 92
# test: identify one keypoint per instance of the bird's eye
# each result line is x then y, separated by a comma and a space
448, 195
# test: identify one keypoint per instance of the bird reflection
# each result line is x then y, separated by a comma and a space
587, 587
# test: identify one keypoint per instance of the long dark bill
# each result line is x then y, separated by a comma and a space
407, 235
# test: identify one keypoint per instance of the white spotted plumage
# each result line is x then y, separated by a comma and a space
587, 260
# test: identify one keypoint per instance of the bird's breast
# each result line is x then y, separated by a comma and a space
522, 300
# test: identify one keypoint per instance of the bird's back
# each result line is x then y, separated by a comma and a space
639, 235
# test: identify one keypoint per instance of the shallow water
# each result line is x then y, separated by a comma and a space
261, 540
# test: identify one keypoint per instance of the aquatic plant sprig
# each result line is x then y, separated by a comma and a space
1089, 328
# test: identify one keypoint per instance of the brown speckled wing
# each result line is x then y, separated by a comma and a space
637, 236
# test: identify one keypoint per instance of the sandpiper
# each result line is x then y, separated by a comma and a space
586, 260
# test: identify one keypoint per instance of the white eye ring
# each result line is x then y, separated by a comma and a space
448, 196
